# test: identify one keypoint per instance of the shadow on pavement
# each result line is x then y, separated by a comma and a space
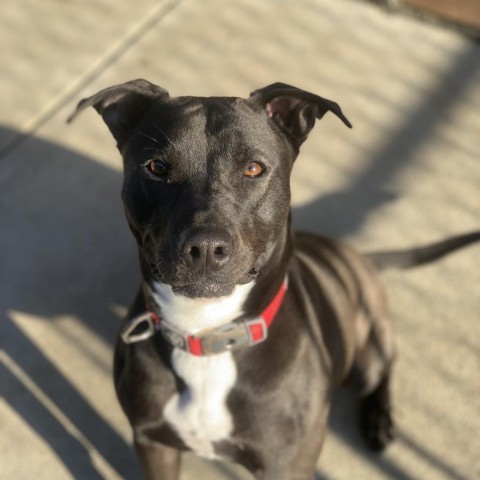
344, 212
65, 251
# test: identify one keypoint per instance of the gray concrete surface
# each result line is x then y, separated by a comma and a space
408, 173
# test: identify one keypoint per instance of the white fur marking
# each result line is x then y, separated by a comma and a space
200, 414
194, 314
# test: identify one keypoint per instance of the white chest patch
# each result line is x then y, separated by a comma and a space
200, 414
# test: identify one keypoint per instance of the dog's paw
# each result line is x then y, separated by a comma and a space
376, 424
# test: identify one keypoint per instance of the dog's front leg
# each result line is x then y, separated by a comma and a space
158, 461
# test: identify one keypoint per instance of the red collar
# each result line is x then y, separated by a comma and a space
236, 334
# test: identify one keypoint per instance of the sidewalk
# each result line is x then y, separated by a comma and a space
408, 173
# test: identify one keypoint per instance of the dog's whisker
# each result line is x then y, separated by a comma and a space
155, 149
169, 140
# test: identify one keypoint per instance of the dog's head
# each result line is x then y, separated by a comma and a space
206, 180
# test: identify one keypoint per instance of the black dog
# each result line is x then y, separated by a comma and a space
243, 368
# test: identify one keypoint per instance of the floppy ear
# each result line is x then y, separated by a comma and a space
122, 106
294, 110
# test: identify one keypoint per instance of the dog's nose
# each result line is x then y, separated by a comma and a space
207, 250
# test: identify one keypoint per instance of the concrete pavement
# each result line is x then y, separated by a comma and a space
408, 173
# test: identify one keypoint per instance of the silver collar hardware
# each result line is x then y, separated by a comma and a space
140, 328
231, 336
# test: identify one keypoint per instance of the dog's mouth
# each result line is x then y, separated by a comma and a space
202, 287
204, 290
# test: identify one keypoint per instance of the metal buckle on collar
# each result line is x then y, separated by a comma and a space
225, 338
147, 321
234, 335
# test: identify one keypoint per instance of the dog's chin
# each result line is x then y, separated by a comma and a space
204, 290
211, 289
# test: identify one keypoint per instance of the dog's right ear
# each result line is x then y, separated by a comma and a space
122, 106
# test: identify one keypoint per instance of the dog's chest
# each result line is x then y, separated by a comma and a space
200, 414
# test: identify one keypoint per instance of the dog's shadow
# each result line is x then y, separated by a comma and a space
66, 251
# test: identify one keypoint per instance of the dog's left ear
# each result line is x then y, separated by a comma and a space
122, 106
294, 110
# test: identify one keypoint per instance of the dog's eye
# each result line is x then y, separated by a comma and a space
254, 169
158, 168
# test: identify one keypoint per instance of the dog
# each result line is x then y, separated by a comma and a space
241, 328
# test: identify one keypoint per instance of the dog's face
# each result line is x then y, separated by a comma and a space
204, 197
206, 180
